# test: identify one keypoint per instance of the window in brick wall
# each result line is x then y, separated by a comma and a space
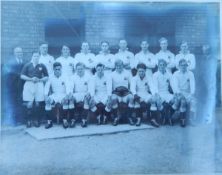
64, 31
151, 28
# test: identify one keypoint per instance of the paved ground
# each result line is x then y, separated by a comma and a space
165, 150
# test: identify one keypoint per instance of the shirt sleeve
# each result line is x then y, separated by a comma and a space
134, 62
47, 87
92, 86
70, 85
192, 62
133, 85
109, 85
177, 59
153, 90
45, 72
112, 63
24, 70
192, 82
155, 83
174, 83
171, 63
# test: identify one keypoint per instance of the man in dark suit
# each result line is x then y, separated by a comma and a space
14, 85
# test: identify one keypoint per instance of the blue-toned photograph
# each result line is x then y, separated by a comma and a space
110, 88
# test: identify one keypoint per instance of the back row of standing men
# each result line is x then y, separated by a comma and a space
114, 88
106, 58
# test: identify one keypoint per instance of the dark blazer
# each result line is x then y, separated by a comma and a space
13, 83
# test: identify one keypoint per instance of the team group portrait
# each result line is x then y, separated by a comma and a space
101, 86
115, 88
110, 88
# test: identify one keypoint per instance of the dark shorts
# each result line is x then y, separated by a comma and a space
121, 91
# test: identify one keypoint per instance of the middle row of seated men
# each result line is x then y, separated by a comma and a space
112, 94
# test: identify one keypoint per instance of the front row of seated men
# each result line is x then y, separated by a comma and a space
115, 97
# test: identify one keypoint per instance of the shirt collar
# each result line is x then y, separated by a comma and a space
18, 60
185, 53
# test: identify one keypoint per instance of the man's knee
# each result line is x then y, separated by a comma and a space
29, 104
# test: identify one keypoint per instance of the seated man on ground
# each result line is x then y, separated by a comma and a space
143, 91
166, 101
184, 88
56, 94
79, 95
101, 92
122, 99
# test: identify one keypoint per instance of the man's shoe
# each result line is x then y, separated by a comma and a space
84, 123
115, 122
182, 123
154, 123
28, 124
65, 124
138, 122
72, 123
48, 125
131, 121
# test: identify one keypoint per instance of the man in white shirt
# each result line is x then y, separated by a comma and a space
45, 58
104, 57
185, 54
147, 58
143, 92
126, 56
68, 63
122, 99
56, 94
166, 103
79, 94
86, 57
164, 53
184, 86
101, 93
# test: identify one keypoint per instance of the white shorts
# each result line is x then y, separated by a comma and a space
57, 98
144, 97
165, 96
79, 97
100, 98
33, 91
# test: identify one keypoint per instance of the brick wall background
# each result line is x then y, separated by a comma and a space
23, 24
